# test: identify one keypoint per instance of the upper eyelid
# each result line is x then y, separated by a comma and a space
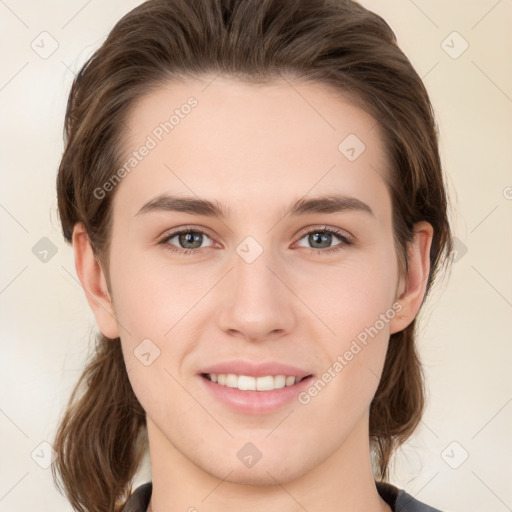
324, 227
186, 229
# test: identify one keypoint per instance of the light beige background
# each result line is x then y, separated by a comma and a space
465, 342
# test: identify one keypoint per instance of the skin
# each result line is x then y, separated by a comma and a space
256, 149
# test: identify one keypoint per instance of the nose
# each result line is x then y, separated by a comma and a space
257, 303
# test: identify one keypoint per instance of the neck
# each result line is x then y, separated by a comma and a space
343, 482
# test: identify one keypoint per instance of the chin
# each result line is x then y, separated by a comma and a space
263, 473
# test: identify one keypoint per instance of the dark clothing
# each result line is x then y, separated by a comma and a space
397, 499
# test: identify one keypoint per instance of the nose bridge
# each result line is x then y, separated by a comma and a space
256, 302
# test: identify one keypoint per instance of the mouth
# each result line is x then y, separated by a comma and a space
250, 387
253, 383
254, 395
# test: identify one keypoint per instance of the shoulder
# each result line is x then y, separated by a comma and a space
401, 501
397, 499
139, 499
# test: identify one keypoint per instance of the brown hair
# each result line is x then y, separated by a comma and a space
100, 440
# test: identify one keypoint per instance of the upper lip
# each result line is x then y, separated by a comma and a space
261, 369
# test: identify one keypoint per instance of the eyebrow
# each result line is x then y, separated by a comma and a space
198, 206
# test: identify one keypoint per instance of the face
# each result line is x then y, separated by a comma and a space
266, 289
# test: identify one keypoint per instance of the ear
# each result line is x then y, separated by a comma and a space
92, 278
412, 289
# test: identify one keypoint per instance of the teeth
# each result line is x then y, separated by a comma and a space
248, 383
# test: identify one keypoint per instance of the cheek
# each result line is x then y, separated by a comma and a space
351, 294
155, 304
151, 296
354, 353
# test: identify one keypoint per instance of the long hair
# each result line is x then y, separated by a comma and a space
100, 439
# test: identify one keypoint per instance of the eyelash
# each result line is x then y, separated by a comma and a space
345, 241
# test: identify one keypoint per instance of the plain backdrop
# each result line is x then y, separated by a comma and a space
459, 457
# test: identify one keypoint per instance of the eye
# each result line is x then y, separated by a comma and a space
319, 238
188, 240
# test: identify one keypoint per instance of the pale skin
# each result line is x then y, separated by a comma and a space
255, 149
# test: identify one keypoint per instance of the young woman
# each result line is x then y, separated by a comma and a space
255, 199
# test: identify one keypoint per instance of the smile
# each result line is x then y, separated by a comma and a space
250, 383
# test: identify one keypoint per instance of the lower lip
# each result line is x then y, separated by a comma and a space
255, 402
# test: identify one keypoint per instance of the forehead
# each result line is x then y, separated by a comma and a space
250, 145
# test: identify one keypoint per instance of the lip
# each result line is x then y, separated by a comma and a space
254, 402
241, 367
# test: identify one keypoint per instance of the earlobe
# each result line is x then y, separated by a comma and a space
92, 278
413, 291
